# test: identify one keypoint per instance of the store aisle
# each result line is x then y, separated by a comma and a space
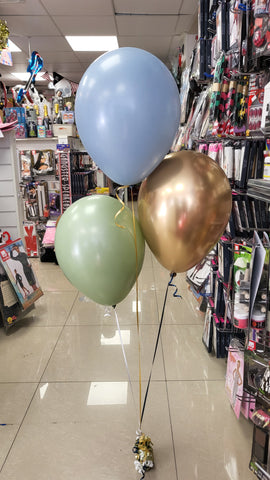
67, 406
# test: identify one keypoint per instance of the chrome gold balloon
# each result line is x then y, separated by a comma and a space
184, 207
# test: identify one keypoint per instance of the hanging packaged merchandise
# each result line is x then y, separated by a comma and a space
235, 375
221, 112
187, 140
229, 106
216, 88
205, 115
266, 155
184, 94
223, 98
235, 27
265, 122
257, 84
203, 148
202, 59
228, 160
196, 121
43, 162
214, 52
214, 151
242, 260
261, 36
241, 111
25, 158
261, 7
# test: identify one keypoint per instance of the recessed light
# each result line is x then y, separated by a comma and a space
13, 47
93, 44
24, 76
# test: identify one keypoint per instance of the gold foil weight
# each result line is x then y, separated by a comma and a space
144, 456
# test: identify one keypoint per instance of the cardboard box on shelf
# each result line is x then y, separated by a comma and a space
60, 130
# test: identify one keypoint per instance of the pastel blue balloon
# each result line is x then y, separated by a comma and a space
127, 113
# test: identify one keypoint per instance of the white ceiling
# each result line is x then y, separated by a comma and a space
41, 25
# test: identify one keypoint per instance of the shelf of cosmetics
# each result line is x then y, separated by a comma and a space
41, 121
232, 106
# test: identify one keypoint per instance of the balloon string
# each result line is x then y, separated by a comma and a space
175, 294
155, 350
123, 205
137, 307
125, 360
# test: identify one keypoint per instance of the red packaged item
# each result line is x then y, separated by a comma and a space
261, 36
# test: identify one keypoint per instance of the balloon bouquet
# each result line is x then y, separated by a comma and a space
127, 114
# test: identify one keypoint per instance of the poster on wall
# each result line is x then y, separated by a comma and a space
20, 273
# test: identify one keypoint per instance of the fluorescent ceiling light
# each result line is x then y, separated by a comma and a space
24, 76
93, 44
13, 47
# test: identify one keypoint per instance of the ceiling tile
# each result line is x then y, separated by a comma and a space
47, 44
56, 57
31, 25
146, 25
66, 67
19, 57
151, 6
158, 46
20, 67
88, 57
29, 7
189, 7
184, 23
83, 7
22, 42
86, 25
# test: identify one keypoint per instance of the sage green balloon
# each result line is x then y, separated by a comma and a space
97, 256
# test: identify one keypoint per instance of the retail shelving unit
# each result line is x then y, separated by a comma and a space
11, 215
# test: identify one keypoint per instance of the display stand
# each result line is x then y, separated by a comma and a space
225, 114
19, 287
11, 214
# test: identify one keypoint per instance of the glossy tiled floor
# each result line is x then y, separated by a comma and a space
66, 404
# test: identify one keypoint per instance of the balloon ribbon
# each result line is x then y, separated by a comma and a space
125, 358
175, 294
122, 208
137, 293
170, 284
137, 307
